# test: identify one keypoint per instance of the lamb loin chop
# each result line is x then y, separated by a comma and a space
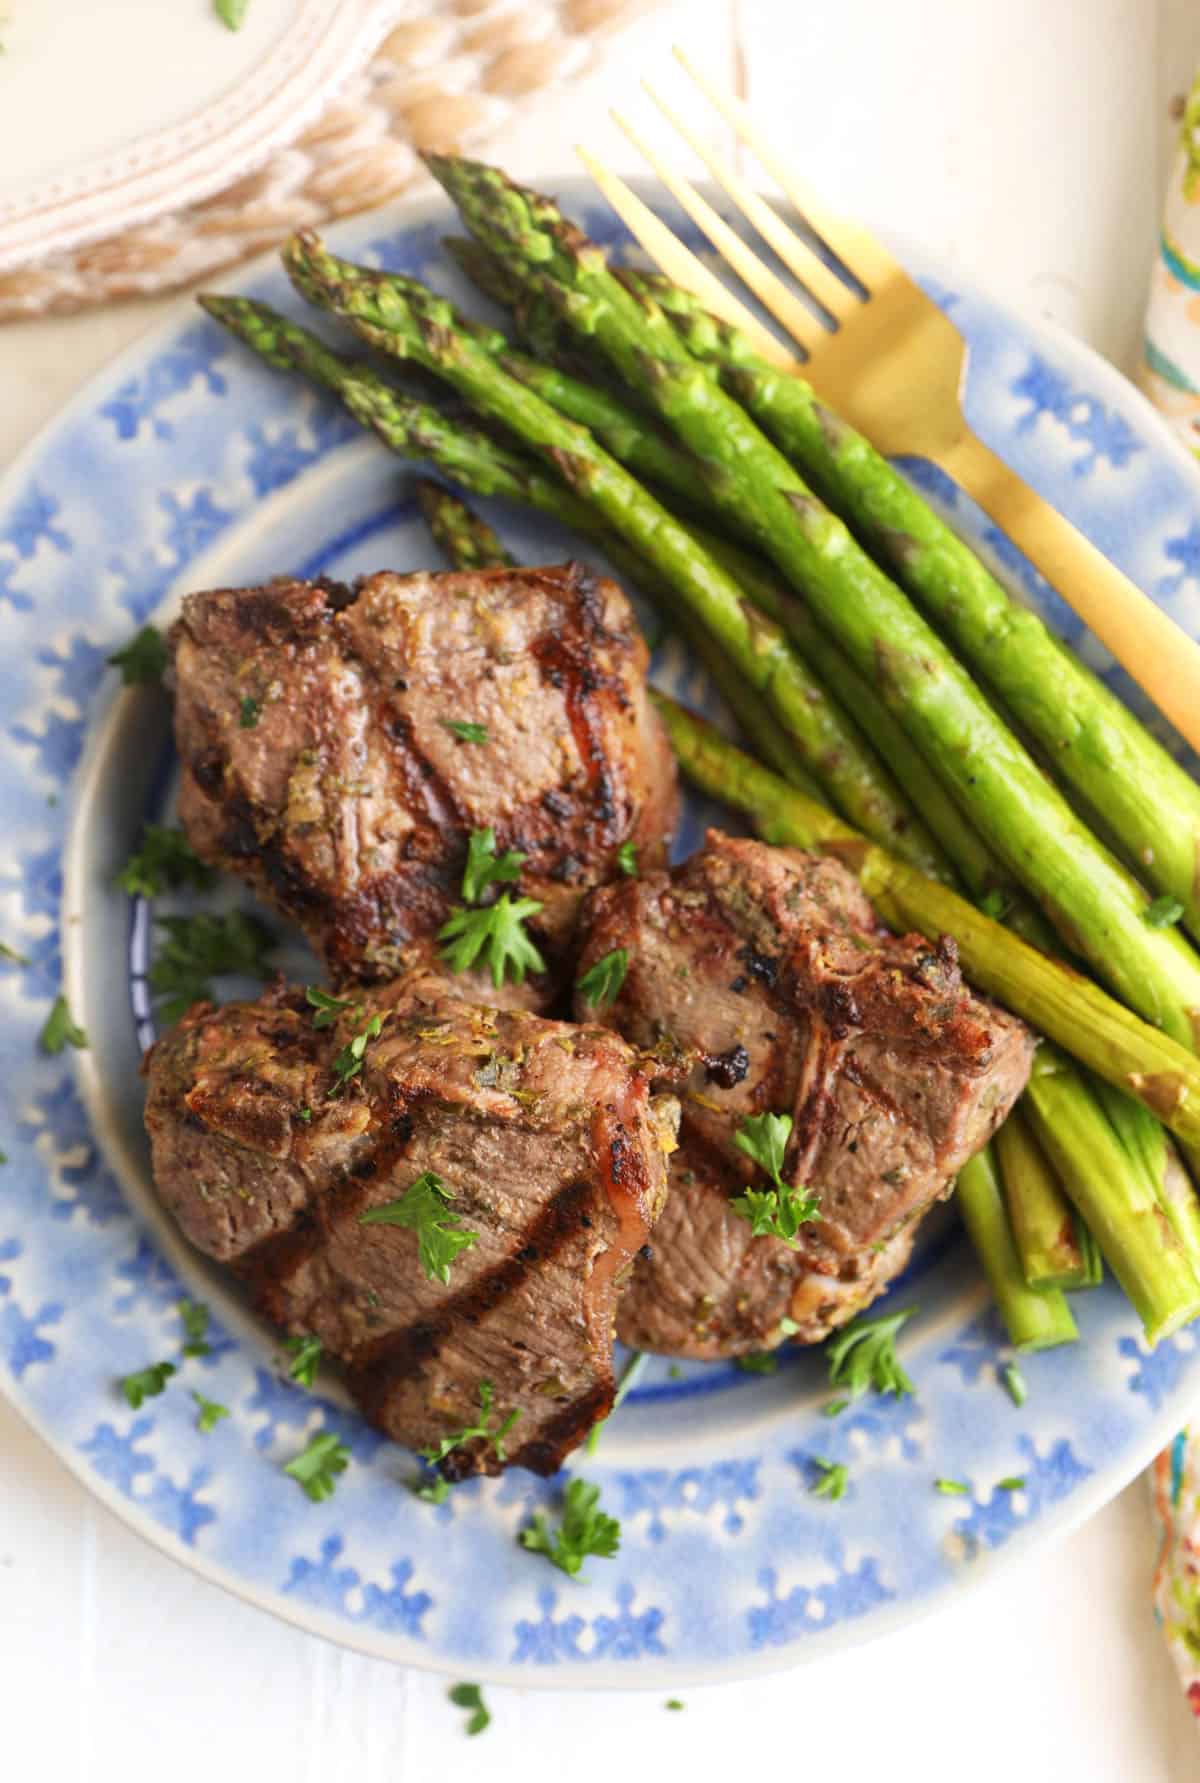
302, 1159
772, 968
339, 745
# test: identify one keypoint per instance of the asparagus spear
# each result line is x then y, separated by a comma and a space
1094, 742
1035, 1318
1093, 901
467, 539
1040, 1215
479, 463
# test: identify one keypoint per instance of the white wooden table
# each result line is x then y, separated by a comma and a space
1026, 140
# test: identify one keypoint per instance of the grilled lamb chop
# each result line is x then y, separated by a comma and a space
546, 1137
312, 723
772, 966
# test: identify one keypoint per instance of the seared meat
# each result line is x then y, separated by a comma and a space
546, 1137
312, 723
772, 967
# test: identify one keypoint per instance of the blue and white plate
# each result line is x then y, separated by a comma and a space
185, 465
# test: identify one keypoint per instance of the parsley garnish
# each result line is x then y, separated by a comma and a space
601, 983
58, 1029
306, 1354
832, 1478
195, 1324
627, 859
439, 1451
349, 1062
1014, 1381
673, 1702
585, 1529
864, 1355
778, 1212
327, 1008
470, 1696
498, 933
762, 1364
10, 953
1163, 912
788, 1327
304, 1113
953, 1488
248, 713
199, 948
317, 1467
422, 1208
232, 12
432, 1491
833, 1408
147, 1383
465, 732
996, 904
210, 1413
629, 1374
485, 868
1013, 1483
143, 659
164, 858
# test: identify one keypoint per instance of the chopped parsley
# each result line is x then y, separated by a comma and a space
248, 713
304, 1112
585, 1529
327, 1008
996, 904
1163, 913
195, 1316
788, 1327
209, 1413
762, 1364
601, 983
1014, 1382
481, 1428
58, 1029
422, 1208
143, 659
673, 1702
432, 1490
464, 731
147, 1383
498, 933
1014, 1482
306, 1355
627, 859
316, 1468
953, 1488
200, 948
833, 1408
164, 858
629, 1374
10, 953
485, 868
470, 1697
863, 1355
778, 1212
349, 1062
832, 1478
232, 13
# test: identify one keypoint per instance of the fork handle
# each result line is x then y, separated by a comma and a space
1161, 657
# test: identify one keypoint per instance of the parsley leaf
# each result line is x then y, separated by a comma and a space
1163, 912
10, 953
58, 1029
327, 1008
422, 1208
248, 713
498, 933
1014, 1382
439, 1451
673, 1702
470, 1696
306, 1354
630, 1374
863, 1355
601, 983
232, 13
435, 1490
627, 859
210, 1413
763, 1364
465, 732
1013, 1483
585, 1529
953, 1488
147, 1383
143, 659
483, 868
199, 948
349, 1062
764, 1138
164, 858
316, 1468
195, 1315
833, 1408
832, 1478
778, 1212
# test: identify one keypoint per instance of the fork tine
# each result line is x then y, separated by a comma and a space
681, 266
801, 260
771, 291
854, 247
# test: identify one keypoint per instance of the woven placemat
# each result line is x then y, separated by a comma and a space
447, 78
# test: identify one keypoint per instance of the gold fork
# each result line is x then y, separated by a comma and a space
893, 364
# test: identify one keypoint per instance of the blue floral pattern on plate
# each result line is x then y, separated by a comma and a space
188, 464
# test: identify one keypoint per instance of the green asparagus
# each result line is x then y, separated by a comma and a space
467, 540
1093, 901
1035, 1319
1040, 1215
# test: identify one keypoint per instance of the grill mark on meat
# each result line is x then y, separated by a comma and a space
423, 785
543, 1454
824, 1058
